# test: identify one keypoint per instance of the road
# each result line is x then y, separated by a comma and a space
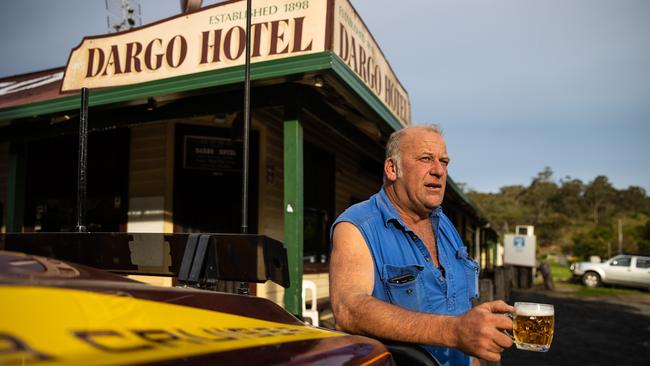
607, 330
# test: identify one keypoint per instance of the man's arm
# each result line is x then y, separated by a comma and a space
478, 332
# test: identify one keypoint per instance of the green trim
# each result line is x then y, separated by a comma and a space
231, 75
259, 71
293, 213
368, 96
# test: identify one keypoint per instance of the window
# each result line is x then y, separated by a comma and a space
319, 202
51, 182
642, 263
621, 262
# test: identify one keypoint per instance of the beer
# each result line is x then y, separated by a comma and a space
533, 326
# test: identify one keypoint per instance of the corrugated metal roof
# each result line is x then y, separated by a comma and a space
30, 88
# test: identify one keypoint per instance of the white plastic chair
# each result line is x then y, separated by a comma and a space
311, 312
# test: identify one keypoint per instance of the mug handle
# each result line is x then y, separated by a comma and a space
511, 316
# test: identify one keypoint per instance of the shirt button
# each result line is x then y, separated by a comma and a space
441, 279
409, 291
428, 259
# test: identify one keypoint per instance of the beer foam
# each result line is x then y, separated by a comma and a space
530, 309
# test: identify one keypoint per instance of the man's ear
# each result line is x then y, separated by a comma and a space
390, 169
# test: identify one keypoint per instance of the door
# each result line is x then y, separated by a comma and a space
641, 271
618, 269
319, 201
208, 180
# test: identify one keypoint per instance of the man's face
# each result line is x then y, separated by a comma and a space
424, 163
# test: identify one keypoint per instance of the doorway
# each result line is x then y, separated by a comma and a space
319, 201
208, 180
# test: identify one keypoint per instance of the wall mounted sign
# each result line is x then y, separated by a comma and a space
519, 249
221, 156
214, 38
209, 39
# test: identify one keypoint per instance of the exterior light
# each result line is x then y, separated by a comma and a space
151, 104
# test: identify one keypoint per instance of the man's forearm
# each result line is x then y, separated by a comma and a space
377, 318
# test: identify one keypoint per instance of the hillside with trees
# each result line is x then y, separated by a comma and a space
572, 217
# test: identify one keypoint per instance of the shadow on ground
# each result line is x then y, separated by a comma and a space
588, 332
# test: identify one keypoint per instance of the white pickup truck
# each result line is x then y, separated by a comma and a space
624, 269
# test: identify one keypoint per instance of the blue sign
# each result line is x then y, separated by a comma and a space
519, 243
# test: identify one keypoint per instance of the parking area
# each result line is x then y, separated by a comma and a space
604, 329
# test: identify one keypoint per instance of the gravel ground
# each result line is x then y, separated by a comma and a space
606, 330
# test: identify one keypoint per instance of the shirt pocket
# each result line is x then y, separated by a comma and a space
471, 272
404, 286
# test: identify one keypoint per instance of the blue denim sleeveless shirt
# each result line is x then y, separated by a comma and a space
404, 272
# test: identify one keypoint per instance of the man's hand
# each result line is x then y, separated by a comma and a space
480, 331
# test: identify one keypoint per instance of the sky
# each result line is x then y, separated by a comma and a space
517, 85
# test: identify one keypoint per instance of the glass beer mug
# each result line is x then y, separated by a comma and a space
532, 326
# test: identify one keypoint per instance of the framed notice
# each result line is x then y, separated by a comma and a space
221, 156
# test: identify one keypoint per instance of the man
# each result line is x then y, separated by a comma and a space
545, 270
399, 269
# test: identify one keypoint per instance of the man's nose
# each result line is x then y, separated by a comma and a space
437, 169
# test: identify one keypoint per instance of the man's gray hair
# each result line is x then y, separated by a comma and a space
393, 146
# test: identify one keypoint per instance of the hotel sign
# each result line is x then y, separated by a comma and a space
214, 38
354, 44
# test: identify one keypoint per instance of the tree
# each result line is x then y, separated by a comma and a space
592, 241
643, 245
582, 218
569, 200
631, 200
503, 208
537, 198
599, 194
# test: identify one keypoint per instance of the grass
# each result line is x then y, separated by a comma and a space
584, 291
560, 272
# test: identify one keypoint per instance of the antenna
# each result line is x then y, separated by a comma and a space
82, 163
243, 286
122, 15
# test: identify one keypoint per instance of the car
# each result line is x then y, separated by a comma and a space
57, 312
625, 269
